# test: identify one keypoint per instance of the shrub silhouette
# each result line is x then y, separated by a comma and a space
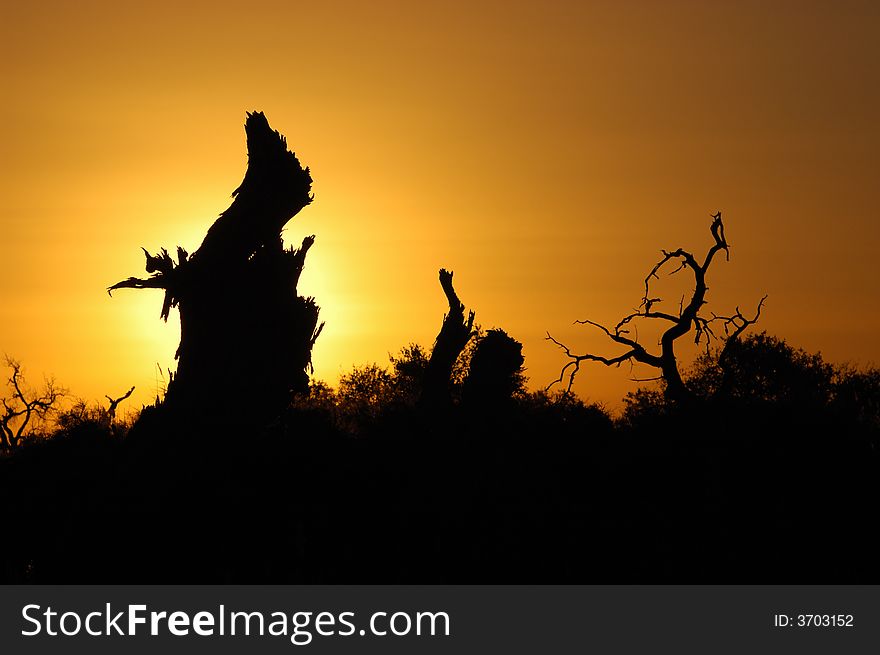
495, 372
83, 415
763, 368
857, 395
366, 393
409, 367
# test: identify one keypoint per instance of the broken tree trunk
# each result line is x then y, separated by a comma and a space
451, 340
246, 336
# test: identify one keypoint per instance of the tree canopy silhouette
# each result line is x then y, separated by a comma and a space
246, 335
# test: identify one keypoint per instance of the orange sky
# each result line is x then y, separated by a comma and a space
543, 151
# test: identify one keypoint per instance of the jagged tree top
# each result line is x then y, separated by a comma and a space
274, 189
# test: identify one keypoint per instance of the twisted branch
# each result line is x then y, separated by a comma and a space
24, 404
688, 318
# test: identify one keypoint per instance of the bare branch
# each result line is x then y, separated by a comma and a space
114, 403
616, 336
24, 405
166, 275
717, 230
635, 315
736, 324
575, 363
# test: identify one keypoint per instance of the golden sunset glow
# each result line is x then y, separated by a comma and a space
544, 152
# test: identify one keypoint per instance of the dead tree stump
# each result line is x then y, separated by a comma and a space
455, 332
246, 335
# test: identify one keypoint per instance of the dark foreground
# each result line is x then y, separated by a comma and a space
551, 493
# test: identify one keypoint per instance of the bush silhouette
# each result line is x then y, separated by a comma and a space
495, 372
763, 368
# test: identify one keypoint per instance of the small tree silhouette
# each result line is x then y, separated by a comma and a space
24, 406
688, 318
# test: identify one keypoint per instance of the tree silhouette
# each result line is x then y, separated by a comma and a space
24, 405
688, 318
246, 336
